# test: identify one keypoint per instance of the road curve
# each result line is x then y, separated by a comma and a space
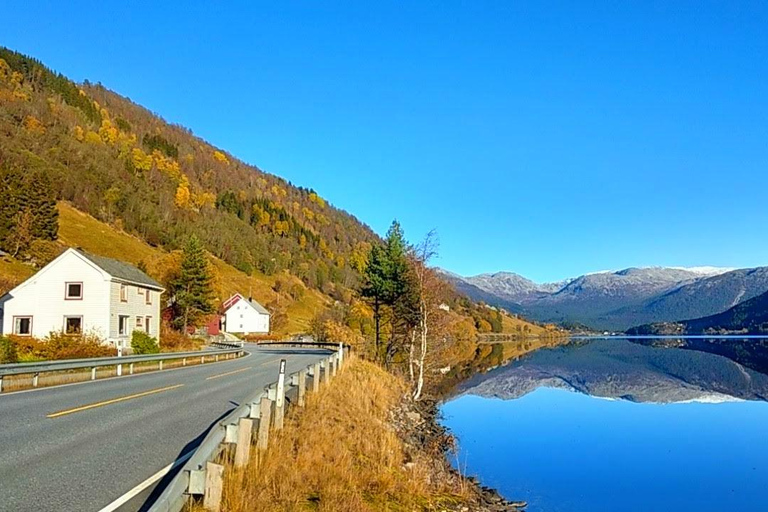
80, 447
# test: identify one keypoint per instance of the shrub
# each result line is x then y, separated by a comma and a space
58, 345
8, 352
172, 340
143, 343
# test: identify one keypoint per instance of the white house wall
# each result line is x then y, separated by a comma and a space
242, 318
135, 307
43, 298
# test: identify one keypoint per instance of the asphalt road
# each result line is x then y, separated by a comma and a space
86, 458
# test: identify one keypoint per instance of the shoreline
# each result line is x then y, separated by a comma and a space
418, 426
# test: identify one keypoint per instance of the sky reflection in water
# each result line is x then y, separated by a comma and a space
563, 450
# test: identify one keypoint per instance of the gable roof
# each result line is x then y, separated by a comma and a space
236, 297
120, 270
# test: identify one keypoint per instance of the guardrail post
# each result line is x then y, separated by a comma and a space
184, 361
217, 358
202, 359
341, 354
93, 373
243, 449
35, 379
316, 377
214, 484
119, 367
265, 416
130, 369
332, 365
302, 387
1, 383
280, 397
160, 367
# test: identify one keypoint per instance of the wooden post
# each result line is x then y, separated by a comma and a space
244, 434
302, 387
93, 373
265, 416
35, 380
280, 397
316, 378
214, 485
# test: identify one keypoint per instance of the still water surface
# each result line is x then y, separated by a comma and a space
621, 425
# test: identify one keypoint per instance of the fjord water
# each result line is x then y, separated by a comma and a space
621, 425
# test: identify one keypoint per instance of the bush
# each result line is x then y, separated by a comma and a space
172, 340
143, 343
8, 352
58, 345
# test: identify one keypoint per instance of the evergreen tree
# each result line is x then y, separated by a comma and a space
192, 290
375, 286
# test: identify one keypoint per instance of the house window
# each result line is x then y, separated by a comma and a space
22, 325
139, 322
73, 291
123, 293
148, 324
73, 325
148, 297
122, 325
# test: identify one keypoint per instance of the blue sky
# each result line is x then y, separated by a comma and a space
546, 138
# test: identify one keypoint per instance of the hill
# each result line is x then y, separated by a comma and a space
127, 184
748, 317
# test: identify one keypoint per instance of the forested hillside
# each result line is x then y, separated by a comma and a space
126, 166
131, 186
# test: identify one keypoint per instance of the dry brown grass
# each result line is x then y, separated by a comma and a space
340, 453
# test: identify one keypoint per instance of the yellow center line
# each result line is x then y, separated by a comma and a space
228, 373
271, 361
113, 401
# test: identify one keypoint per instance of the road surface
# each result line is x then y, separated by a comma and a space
83, 446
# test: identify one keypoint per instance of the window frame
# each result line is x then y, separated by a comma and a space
22, 317
66, 290
125, 329
123, 292
148, 324
67, 317
139, 322
147, 297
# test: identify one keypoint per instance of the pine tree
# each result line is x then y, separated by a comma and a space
192, 290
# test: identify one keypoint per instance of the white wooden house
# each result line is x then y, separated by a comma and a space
80, 292
246, 316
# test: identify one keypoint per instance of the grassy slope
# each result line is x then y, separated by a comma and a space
344, 455
77, 229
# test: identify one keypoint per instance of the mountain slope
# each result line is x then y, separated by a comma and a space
748, 317
128, 167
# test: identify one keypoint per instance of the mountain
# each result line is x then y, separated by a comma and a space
127, 167
623, 370
618, 300
748, 317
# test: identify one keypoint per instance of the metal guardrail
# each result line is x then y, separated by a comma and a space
94, 363
187, 481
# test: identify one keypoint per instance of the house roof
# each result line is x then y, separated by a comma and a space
120, 270
255, 305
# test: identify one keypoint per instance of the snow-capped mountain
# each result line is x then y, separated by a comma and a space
617, 300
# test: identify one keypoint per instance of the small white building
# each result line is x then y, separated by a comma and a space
80, 292
244, 316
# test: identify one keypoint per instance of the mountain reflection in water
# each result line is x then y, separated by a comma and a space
618, 424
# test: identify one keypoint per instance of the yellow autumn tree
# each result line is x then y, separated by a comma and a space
141, 161
220, 157
78, 133
108, 132
92, 137
33, 125
182, 198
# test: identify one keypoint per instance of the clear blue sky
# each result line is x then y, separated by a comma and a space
546, 138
